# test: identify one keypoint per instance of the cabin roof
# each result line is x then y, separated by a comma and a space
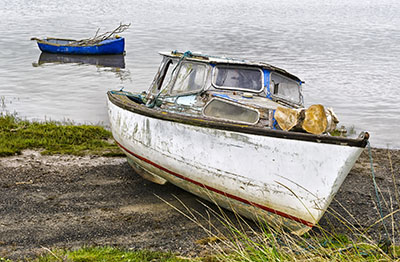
225, 60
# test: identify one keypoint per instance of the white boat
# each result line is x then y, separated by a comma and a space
209, 125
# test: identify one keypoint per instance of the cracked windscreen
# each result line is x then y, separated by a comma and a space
191, 77
285, 88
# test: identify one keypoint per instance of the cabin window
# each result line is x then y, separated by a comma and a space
238, 78
285, 88
231, 111
191, 78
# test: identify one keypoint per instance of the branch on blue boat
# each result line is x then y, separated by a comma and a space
107, 35
97, 38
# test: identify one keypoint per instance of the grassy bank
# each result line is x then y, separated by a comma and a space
96, 254
273, 246
240, 247
238, 241
54, 138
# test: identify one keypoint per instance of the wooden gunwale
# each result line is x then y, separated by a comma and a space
121, 100
44, 41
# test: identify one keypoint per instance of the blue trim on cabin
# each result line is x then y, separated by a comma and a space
224, 96
106, 47
267, 80
274, 122
267, 74
301, 95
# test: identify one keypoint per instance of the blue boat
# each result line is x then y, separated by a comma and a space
110, 46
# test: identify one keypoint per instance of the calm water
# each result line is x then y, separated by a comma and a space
347, 52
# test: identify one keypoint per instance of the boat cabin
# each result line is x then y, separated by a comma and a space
222, 88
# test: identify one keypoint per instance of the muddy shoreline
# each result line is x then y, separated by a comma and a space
68, 202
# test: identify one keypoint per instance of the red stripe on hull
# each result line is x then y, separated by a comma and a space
282, 214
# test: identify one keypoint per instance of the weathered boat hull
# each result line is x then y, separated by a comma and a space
62, 46
280, 180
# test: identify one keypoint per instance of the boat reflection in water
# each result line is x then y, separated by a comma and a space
117, 61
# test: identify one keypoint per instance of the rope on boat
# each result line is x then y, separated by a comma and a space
376, 189
186, 54
107, 35
176, 52
138, 98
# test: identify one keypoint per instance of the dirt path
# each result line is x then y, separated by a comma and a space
66, 201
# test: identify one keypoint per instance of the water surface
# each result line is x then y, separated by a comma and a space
347, 52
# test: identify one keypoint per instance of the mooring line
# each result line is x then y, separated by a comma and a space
376, 189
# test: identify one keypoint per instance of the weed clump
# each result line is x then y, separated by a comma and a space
54, 138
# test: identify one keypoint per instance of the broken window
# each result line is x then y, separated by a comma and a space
238, 78
163, 75
164, 81
285, 88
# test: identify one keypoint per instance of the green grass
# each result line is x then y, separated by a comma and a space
106, 254
277, 245
54, 138
240, 241
271, 248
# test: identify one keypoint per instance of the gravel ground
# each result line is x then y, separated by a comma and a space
68, 202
